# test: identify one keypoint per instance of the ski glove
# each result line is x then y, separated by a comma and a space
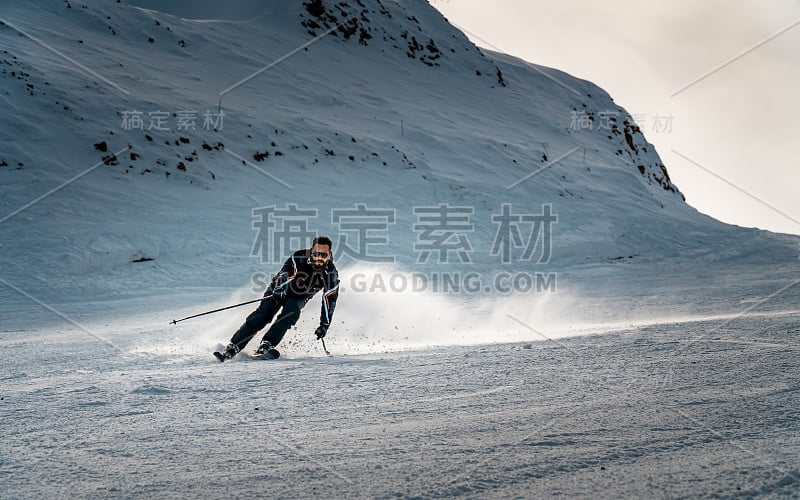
321, 331
278, 286
279, 293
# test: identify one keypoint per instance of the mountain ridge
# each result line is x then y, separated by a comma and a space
341, 123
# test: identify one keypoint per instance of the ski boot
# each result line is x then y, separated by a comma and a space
267, 351
229, 352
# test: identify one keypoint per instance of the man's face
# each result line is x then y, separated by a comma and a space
320, 255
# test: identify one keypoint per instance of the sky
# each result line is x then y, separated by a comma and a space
715, 86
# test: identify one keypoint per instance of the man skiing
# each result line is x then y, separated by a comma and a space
303, 274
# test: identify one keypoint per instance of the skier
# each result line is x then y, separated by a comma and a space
303, 274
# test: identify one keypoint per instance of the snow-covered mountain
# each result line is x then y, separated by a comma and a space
142, 145
393, 109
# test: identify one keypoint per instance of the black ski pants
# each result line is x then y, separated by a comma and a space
289, 307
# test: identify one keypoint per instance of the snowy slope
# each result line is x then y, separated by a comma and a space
464, 139
658, 411
395, 110
401, 96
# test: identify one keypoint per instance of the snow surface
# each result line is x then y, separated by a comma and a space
664, 364
662, 410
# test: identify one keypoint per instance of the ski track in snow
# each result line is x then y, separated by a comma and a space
662, 410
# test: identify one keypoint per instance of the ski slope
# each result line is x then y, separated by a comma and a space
661, 362
698, 408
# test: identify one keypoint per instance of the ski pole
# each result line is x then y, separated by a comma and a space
325, 348
220, 309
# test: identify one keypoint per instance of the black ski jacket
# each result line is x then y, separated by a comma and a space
301, 279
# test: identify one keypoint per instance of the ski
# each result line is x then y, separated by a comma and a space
270, 354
